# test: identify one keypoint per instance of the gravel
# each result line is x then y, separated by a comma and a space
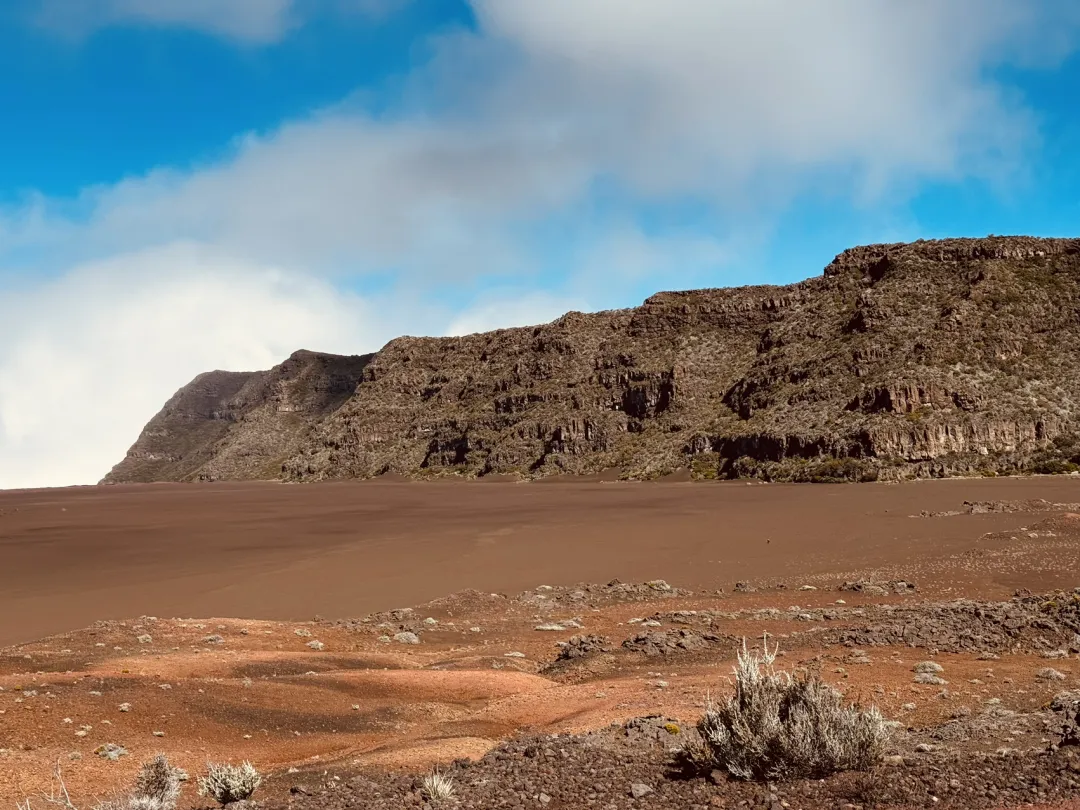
1024, 624
631, 767
673, 641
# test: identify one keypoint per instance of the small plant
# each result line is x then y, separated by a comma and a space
158, 783
869, 790
58, 797
229, 783
157, 787
777, 726
437, 787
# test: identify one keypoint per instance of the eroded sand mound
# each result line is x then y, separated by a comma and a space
338, 711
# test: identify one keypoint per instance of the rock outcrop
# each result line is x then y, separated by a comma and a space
933, 358
240, 425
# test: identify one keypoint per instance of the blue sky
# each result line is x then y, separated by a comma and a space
196, 184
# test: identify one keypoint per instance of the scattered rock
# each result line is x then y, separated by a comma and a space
583, 646
1049, 674
871, 588
111, 751
930, 679
1070, 726
672, 641
640, 789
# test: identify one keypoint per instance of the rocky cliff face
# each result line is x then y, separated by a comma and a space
932, 358
237, 425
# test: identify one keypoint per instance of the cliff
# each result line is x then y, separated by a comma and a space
933, 358
237, 425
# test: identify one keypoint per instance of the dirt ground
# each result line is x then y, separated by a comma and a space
277, 551
92, 581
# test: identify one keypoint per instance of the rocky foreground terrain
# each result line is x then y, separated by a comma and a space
581, 696
935, 358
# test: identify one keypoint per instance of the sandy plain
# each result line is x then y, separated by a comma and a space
232, 582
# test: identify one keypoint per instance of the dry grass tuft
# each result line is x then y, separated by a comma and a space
437, 787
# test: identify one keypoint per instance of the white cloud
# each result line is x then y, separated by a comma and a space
349, 189
663, 262
580, 112
716, 95
256, 21
86, 360
741, 103
500, 312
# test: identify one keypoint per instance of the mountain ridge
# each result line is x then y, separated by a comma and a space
943, 357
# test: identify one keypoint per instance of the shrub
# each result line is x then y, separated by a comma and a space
157, 787
229, 783
705, 466
1055, 466
836, 471
158, 783
777, 726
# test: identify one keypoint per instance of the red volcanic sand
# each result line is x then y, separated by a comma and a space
252, 687
275, 551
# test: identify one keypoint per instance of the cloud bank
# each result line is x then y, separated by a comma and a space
528, 154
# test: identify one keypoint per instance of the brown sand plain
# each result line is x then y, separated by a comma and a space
276, 551
270, 557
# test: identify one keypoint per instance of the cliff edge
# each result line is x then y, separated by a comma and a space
957, 356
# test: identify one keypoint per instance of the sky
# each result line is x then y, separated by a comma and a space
188, 185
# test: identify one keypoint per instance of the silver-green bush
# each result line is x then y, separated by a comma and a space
776, 726
229, 783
